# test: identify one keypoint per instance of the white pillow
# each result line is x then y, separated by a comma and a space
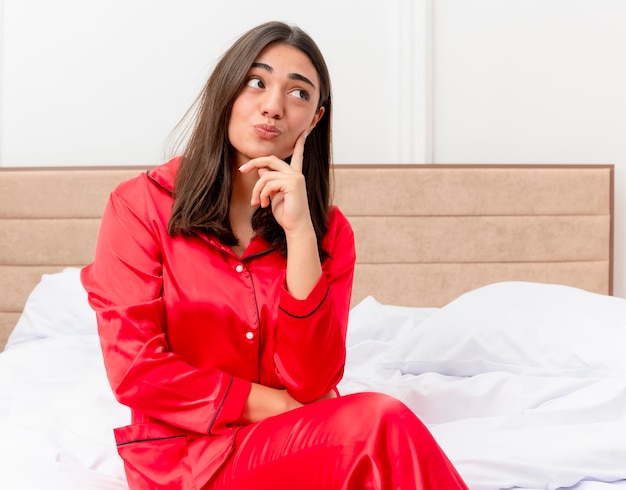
373, 329
56, 307
519, 327
373, 321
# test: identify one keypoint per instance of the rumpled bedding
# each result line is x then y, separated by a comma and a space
522, 384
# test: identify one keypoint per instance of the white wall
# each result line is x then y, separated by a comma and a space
105, 82
448, 81
533, 81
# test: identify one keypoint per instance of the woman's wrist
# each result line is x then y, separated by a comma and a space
303, 232
290, 403
264, 402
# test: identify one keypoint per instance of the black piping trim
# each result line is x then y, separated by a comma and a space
310, 314
150, 439
258, 316
258, 254
217, 412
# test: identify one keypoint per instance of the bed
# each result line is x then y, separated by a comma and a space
482, 299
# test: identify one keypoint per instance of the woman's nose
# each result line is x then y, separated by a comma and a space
272, 105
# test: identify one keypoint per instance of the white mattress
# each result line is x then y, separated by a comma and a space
523, 385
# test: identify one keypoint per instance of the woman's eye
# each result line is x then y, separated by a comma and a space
301, 94
255, 83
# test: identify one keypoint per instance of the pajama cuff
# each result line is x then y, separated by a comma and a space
304, 308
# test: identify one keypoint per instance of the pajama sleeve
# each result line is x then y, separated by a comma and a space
311, 352
124, 287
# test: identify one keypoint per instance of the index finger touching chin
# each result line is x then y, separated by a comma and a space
298, 152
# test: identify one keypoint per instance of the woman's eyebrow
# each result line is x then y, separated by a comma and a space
302, 78
292, 76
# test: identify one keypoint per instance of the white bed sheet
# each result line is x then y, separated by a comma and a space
56, 415
502, 429
541, 426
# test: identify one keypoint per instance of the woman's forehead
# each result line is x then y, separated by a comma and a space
283, 58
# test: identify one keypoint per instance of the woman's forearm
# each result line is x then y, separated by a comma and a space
303, 263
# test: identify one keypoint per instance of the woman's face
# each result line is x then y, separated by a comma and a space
278, 102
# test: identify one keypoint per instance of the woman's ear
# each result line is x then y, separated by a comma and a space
316, 119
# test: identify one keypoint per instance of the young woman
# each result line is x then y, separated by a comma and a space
222, 285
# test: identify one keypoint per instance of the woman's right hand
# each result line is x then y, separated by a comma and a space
264, 402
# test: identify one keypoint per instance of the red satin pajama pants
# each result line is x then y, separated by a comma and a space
360, 441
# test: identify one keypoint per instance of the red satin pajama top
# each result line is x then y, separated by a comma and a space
186, 325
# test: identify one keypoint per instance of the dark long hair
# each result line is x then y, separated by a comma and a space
204, 181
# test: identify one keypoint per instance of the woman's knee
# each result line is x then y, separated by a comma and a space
379, 403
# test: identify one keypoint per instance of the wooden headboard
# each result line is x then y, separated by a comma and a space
425, 233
